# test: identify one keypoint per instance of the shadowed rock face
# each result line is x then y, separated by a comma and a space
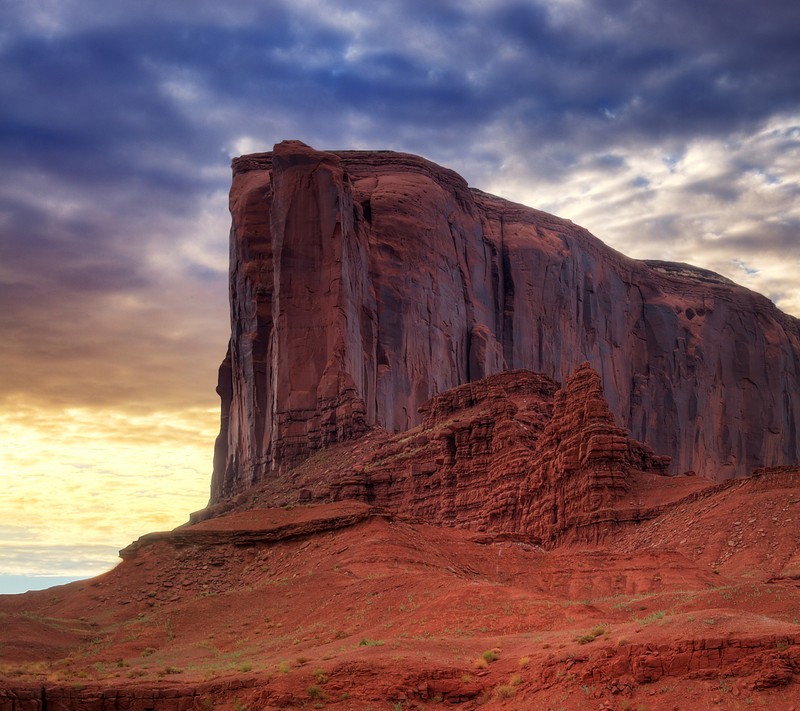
364, 283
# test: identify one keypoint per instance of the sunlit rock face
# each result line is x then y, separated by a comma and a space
364, 283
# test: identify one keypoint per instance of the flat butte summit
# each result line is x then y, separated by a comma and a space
469, 457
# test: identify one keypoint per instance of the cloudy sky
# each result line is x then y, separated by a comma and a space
670, 130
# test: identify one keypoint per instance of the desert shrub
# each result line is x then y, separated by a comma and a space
652, 617
316, 692
169, 670
504, 691
593, 634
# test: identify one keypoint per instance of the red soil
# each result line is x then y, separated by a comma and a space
341, 606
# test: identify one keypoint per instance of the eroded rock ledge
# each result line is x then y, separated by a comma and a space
509, 454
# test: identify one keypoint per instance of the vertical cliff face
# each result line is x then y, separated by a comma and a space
302, 349
364, 283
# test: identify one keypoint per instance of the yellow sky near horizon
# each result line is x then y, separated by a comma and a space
80, 483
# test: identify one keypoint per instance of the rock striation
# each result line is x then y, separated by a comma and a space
583, 468
364, 283
511, 454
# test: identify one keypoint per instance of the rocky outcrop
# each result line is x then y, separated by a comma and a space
241, 529
510, 454
364, 283
464, 465
757, 663
162, 697
583, 468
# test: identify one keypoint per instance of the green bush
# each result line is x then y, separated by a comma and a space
594, 633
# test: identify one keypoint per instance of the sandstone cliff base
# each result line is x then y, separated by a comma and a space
342, 606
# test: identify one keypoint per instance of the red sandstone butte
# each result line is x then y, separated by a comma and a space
364, 283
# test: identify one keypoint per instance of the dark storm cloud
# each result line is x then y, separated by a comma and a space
651, 70
592, 74
90, 107
778, 239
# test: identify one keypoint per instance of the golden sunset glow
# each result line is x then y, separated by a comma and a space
81, 483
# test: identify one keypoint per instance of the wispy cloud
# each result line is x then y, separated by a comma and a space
722, 203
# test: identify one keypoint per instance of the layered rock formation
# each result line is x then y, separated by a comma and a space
509, 454
583, 468
364, 283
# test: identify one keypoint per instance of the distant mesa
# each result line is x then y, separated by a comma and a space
364, 283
